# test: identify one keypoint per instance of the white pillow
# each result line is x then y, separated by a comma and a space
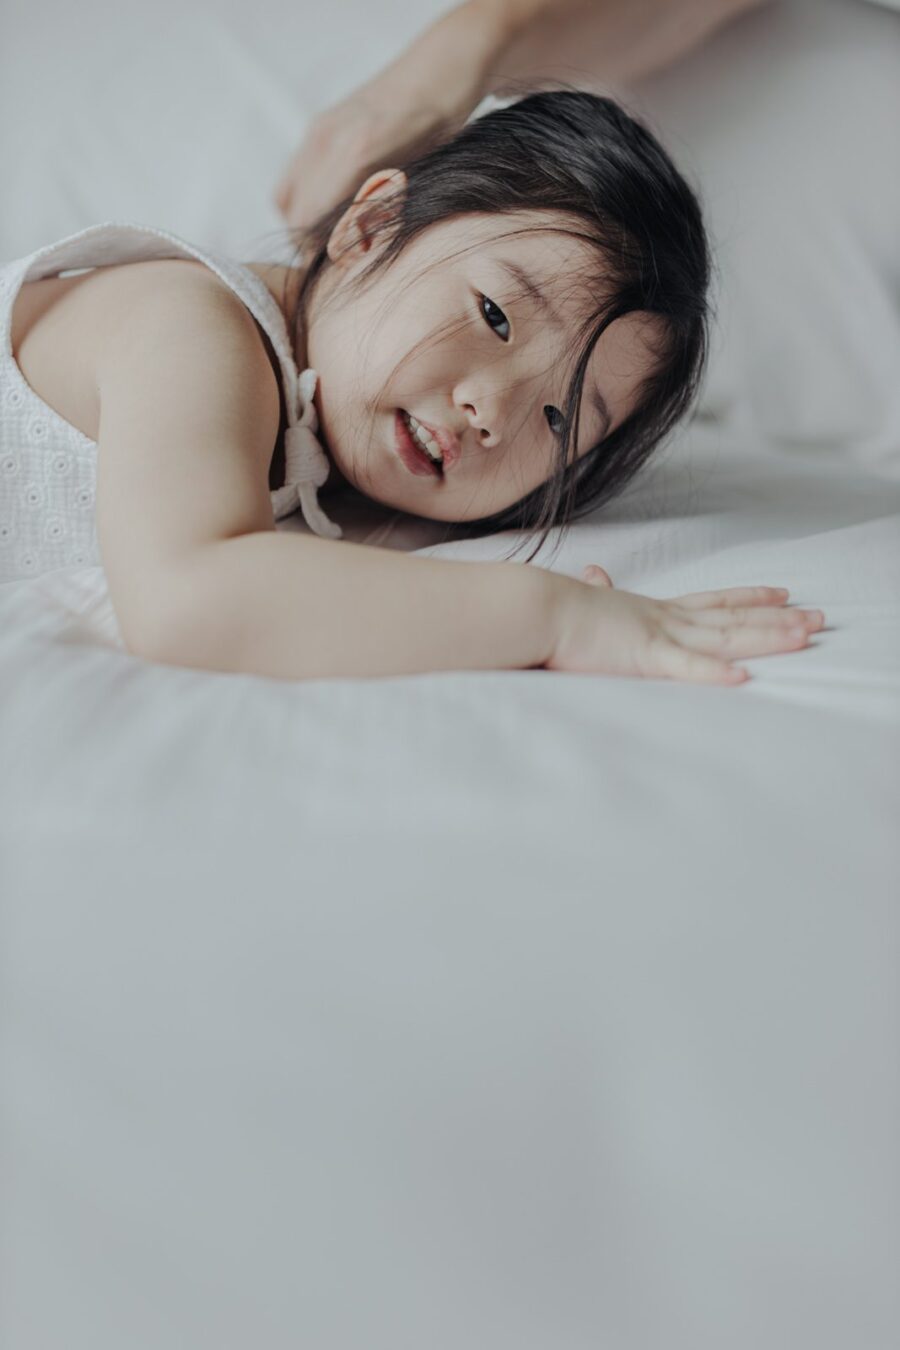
788, 118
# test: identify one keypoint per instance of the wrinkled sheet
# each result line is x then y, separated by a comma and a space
505, 1009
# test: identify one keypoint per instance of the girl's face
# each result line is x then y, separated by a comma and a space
472, 331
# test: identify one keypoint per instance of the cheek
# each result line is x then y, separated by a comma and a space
497, 487
628, 355
425, 348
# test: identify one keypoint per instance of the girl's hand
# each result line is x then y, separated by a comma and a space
693, 637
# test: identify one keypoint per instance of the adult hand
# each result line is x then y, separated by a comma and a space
346, 143
431, 89
425, 94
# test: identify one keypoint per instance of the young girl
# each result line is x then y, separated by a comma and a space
495, 337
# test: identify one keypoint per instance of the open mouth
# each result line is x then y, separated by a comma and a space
416, 447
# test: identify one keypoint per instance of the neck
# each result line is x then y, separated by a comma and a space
283, 284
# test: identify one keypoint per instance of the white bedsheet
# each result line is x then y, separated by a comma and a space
490, 1009
501, 1010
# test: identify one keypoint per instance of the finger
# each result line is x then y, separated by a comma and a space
297, 217
285, 201
752, 640
596, 576
292, 194
287, 183
280, 196
680, 664
301, 210
752, 617
737, 595
282, 189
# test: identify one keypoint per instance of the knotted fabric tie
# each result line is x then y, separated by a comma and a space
306, 465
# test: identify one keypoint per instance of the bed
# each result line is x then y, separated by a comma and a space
500, 1010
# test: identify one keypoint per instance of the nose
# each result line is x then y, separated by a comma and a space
485, 391
489, 411
485, 436
504, 401
496, 423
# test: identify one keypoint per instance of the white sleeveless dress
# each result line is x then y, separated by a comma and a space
48, 468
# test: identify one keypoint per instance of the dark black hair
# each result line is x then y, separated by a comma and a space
583, 156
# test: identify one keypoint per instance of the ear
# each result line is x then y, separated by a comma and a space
375, 202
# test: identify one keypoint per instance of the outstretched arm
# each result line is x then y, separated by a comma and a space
197, 573
199, 577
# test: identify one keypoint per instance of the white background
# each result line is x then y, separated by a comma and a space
499, 1010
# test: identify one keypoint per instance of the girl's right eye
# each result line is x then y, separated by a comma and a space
495, 317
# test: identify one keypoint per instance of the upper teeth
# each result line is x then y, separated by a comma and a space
424, 438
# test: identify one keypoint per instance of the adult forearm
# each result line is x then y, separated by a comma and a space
294, 607
597, 40
481, 47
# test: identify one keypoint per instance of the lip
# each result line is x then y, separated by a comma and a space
413, 458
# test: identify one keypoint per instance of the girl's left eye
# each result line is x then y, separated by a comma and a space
494, 318
555, 419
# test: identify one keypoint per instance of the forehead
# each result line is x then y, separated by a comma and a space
539, 258
542, 240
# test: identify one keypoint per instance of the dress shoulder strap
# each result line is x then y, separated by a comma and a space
115, 242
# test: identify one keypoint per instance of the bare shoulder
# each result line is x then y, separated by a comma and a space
177, 346
179, 306
68, 331
186, 386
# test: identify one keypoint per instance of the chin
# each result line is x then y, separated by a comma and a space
339, 475
440, 518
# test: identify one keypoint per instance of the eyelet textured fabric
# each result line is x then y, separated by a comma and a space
48, 468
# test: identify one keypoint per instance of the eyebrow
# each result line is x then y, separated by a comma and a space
527, 281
